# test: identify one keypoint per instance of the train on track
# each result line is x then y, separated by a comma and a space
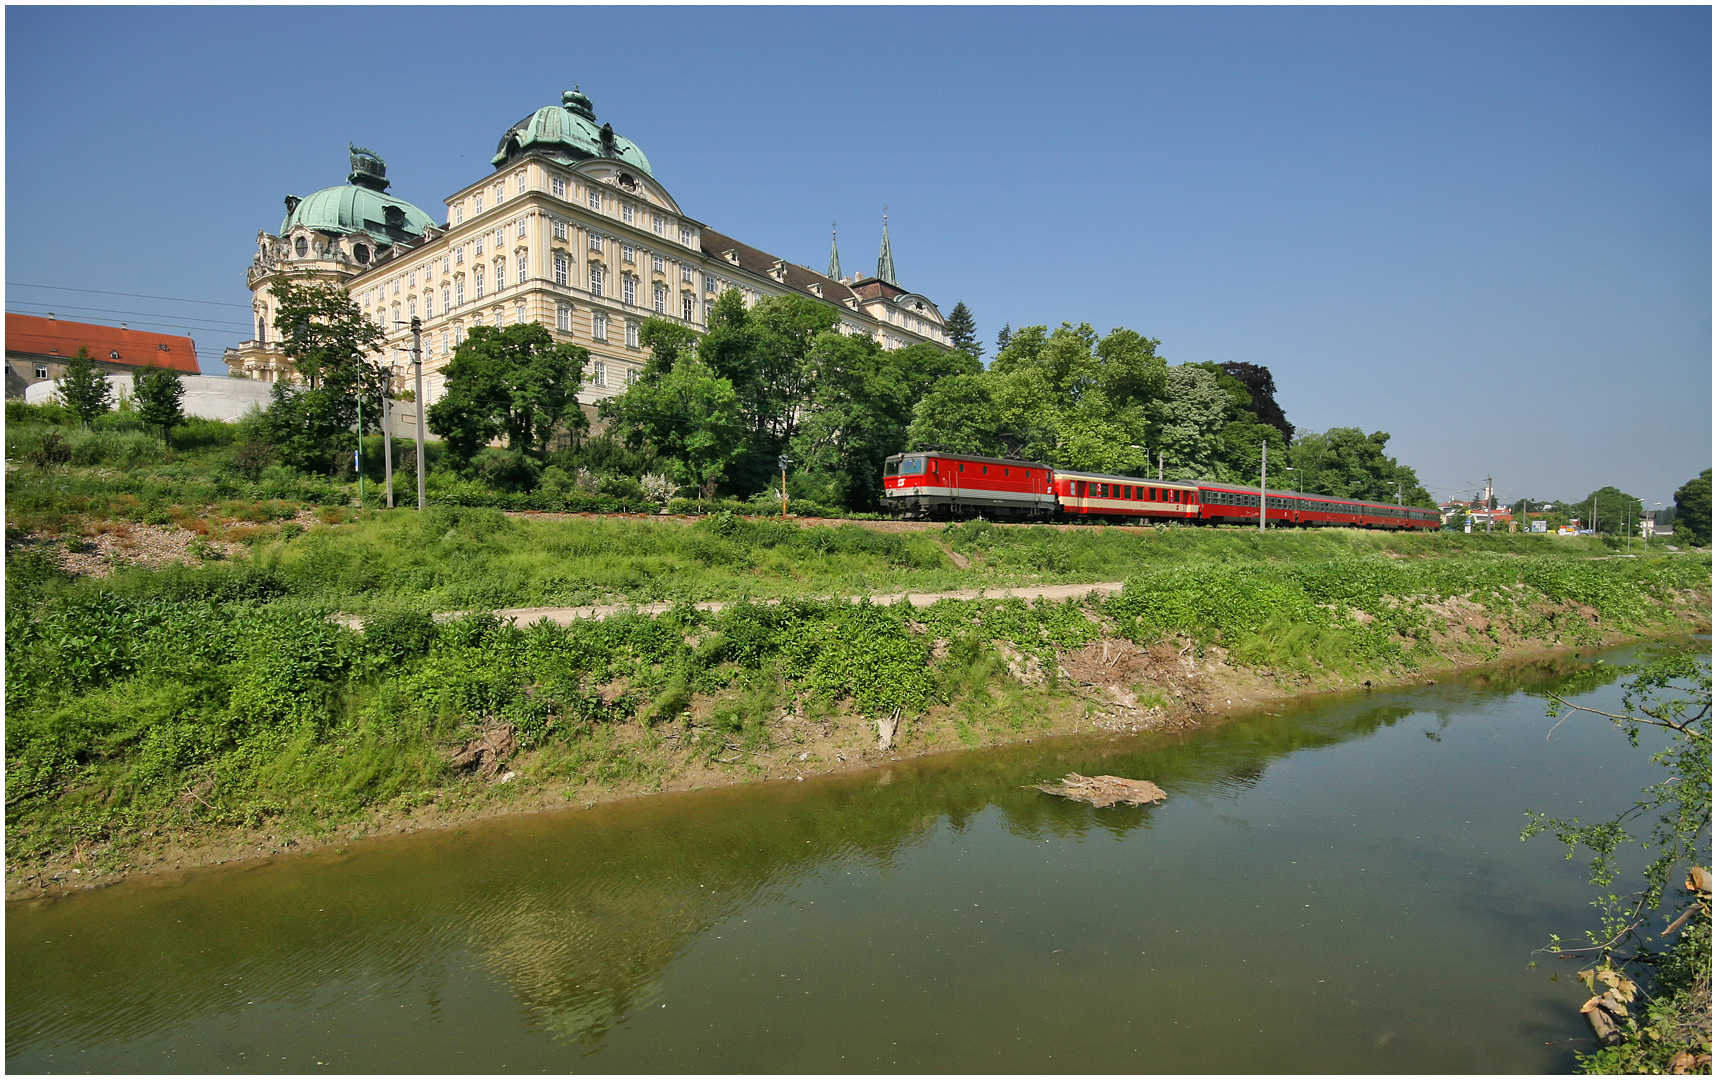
938, 484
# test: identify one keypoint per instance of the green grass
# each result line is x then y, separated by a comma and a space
221, 696
454, 559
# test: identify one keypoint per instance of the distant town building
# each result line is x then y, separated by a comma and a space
38, 347
571, 230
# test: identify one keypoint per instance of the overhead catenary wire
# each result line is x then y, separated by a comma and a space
138, 296
119, 311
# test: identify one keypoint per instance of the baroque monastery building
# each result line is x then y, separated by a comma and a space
572, 230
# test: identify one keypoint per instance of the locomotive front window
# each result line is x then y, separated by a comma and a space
911, 466
891, 468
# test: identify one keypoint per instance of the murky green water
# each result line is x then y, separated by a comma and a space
1339, 888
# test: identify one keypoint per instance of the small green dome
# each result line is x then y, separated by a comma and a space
360, 204
568, 132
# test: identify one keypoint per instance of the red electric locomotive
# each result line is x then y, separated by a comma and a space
934, 483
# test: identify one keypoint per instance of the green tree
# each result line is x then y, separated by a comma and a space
961, 416
159, 394
963, 331
925, 365
668, 342
1616, 512
1672, 694
1068, 398
84, 388
515, 381
764, 354
1004, 337
1190, 420
1348, 464
1693, 511
329, 343
859, 415
690, 417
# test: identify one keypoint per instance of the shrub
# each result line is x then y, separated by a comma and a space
505, 470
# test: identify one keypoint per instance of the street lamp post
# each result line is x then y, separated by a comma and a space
1263, 474
387, 436
417, 365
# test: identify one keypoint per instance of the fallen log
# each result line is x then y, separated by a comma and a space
1104, 790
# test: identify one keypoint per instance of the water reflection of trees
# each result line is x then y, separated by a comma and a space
578, 916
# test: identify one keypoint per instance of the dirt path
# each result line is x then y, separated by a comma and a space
564, 615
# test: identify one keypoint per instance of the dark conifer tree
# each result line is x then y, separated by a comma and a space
1006, 335
963, 331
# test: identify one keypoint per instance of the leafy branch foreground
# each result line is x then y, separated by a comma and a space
149, 708
1651, 994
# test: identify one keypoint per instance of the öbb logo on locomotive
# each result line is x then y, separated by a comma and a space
942, 485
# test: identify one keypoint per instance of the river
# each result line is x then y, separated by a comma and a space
1335, 886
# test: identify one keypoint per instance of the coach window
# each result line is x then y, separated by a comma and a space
1102, 491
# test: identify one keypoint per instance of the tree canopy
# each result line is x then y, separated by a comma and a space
84, 387
963, 331
515, 381
159, 394
1109, 404
1616, 513
1349, 464
329, 343
1693, 510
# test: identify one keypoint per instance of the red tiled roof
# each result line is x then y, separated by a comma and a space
35, 336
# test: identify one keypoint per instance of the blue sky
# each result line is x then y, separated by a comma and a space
1486, 231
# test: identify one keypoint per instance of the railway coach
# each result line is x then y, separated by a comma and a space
1083, 495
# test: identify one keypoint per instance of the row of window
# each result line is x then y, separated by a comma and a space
498, 190
594, 198
1137, 493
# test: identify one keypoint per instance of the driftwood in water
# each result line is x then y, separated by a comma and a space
1105, 790
886, 727
487, 751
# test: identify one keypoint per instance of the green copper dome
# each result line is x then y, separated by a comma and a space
568, 132
362, 203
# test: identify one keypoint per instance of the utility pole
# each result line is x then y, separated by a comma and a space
1489, 505
1159, 466
783, 461
1263, 474
417, 363
387, 436
358, 454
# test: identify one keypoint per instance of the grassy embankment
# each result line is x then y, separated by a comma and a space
220, 703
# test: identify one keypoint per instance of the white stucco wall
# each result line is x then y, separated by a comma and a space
213, 397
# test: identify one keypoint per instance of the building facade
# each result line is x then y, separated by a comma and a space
37, 349
571, 230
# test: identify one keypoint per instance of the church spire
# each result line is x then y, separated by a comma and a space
834, 254
885, 261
